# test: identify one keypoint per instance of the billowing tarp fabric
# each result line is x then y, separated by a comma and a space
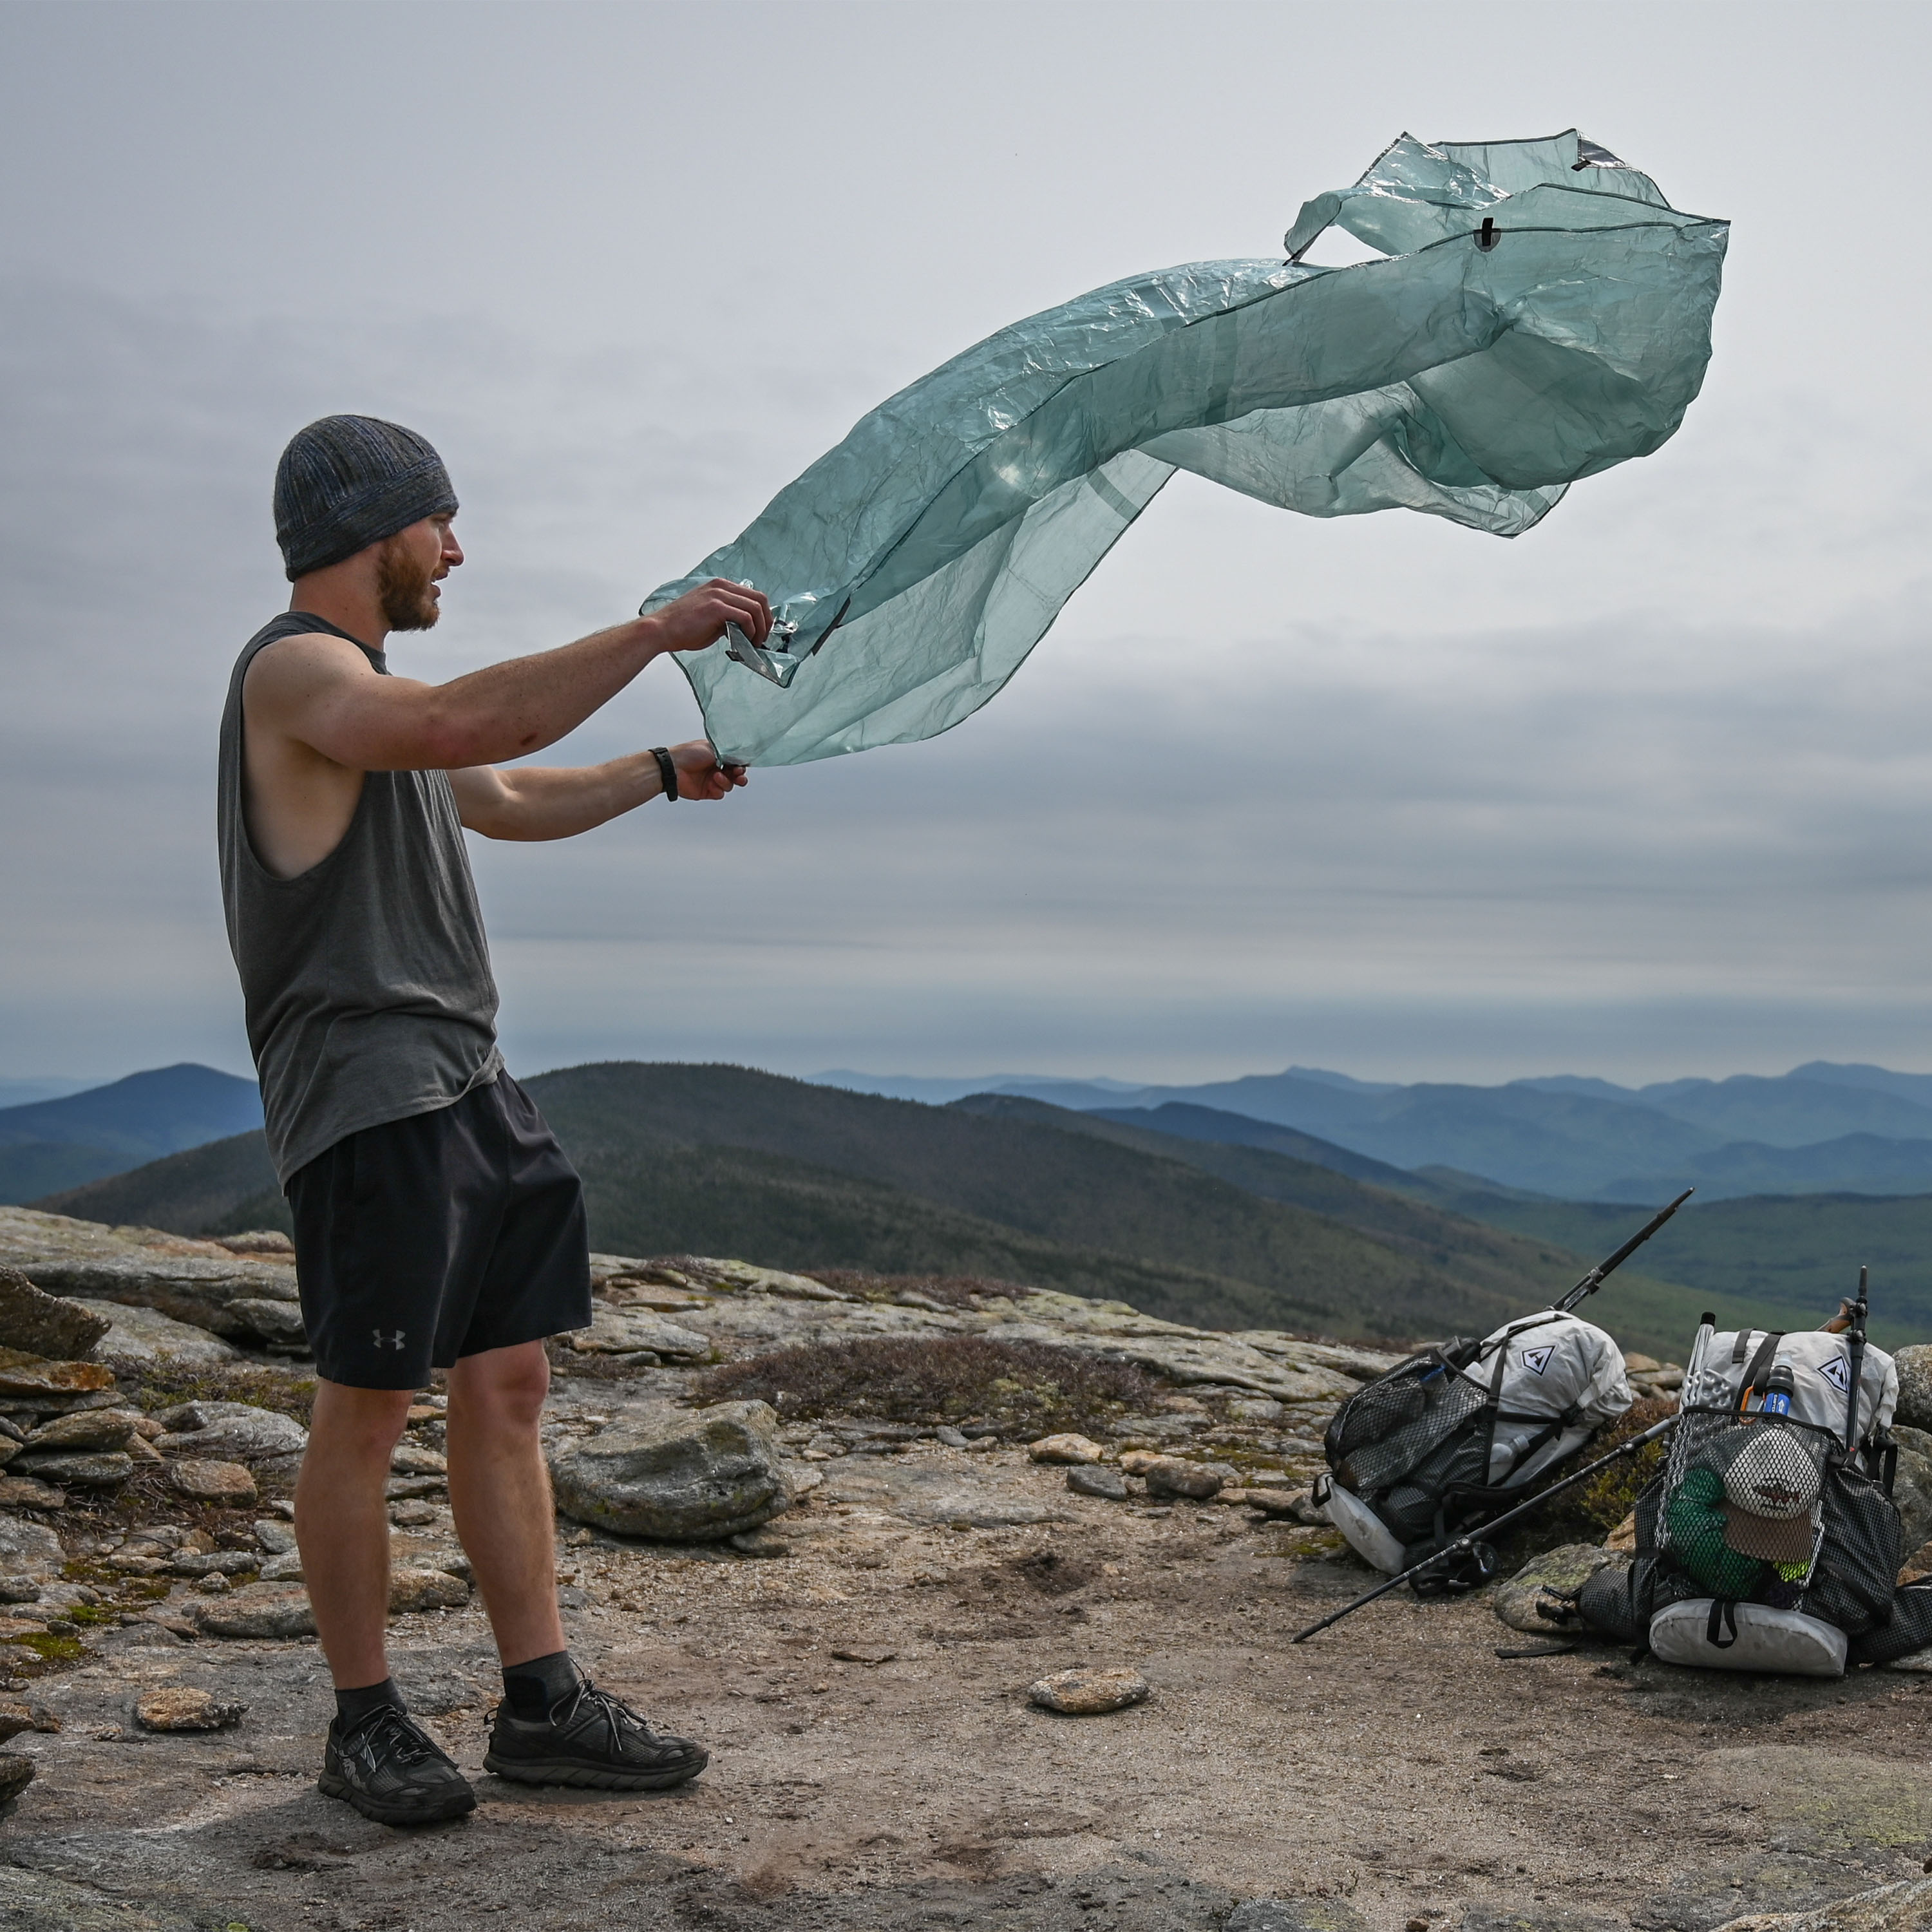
1542, 314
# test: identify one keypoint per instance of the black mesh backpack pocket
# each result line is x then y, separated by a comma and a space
1856, 1578
1387, 1411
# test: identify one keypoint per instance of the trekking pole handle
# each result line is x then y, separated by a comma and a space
1594, 1280
1463, 1542
1855, 1350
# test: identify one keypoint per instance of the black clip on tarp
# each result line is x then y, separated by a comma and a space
1462, 1542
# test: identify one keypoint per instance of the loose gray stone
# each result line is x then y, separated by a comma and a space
277, 1538
1089, 1694
84, 1428
44, 1324
949, 1437
761, 1543
228, 1483
28, 1493
258, 1609
29, 1550
425, 1590
1173, 1475
677, 1476
214, 1563
277, 1324
287, 1569
1569, 1567
411, 1459
175, 1707
99, 1470
1109, 1483
16, 1718
235, 1432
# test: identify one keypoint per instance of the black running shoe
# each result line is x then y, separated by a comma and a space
589, 1737
392, 1770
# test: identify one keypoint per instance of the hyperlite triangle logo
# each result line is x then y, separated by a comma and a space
1838, 1373
1536, 1360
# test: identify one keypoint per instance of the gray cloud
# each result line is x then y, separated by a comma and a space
1643, 792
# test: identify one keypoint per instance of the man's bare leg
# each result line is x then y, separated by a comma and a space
553, 1726
500, 1494
342, 1525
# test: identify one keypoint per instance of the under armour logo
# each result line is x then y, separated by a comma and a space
396, 1343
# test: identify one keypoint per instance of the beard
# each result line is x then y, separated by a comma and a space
405, 588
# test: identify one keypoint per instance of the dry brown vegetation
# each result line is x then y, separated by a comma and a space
1018, 1387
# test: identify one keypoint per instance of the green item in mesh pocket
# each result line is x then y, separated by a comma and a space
1695, 1519
1541, 313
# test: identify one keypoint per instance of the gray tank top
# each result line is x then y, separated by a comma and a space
366, 978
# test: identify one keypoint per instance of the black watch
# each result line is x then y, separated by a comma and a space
667, 771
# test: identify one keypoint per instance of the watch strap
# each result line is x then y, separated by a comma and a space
667, 771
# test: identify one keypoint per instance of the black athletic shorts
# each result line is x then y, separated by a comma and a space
439, 1236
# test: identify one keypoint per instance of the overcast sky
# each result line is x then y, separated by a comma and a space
1644, 793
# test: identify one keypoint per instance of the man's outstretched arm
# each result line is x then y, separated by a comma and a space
323, 692
528, 802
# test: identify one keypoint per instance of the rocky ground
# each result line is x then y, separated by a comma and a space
863, 1682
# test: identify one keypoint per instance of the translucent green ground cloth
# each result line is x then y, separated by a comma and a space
1542, 314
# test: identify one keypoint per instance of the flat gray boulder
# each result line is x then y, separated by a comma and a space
196, 1288
676, 1475
139, 1338
626, 1331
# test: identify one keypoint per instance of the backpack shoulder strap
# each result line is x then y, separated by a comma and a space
1757, 1377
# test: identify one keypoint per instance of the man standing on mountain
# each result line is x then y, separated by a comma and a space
437, 1223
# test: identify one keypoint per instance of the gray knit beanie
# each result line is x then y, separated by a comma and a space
348, 482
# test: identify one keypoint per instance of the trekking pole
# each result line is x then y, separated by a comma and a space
1594, 1280
1861, 1309
1462, 1542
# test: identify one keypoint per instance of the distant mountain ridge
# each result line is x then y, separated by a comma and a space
51, 1143
1821, 1127
1274, 1226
